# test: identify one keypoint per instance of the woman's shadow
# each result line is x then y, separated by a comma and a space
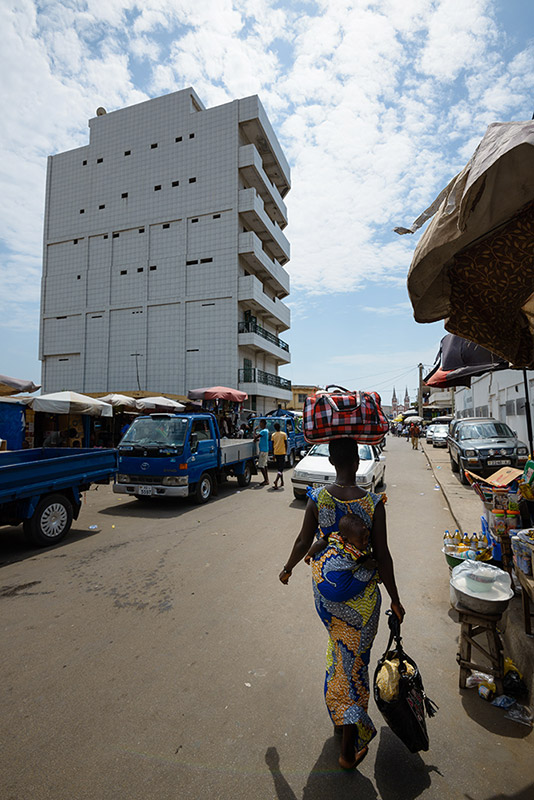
399, 775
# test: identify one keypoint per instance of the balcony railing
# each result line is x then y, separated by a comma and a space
253, 327
253, 375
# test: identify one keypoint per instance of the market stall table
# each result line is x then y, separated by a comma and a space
527, 596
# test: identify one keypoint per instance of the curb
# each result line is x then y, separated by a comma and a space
449, 505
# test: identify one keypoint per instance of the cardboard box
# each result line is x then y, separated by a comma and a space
503, 476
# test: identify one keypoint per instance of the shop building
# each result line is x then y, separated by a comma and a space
500, 395
164, 253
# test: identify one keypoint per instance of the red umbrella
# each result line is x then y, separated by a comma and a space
217, 393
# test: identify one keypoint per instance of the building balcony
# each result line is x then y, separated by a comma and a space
256, 381
251, 168
270, 271
255, 337
252, 210
256, 127
250, 291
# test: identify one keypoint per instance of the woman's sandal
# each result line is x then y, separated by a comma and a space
358, 758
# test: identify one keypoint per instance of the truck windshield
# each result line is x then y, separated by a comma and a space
166, 431
486, 430
364, 451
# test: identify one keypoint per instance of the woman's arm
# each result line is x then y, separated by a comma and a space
384, 560
302, 542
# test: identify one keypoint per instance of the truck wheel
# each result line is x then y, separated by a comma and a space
204, 488
454, 465
291, 459
50, 522
463, 476
244, 479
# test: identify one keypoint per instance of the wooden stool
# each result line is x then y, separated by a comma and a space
473, 625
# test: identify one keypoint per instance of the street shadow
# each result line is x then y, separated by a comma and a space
491, 718
325, 781
14, 546
399, 774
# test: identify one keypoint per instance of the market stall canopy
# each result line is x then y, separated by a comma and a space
151, 403
459, 360
474, 265
71, 403
14, 385
118, 400
413, 418
218, 393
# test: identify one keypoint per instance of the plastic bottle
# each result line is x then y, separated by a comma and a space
458, 536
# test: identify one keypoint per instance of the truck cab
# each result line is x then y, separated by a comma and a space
292, 426
177, 455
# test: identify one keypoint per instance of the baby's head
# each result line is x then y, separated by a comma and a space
353, 529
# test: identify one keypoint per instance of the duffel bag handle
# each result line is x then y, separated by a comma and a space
335, 386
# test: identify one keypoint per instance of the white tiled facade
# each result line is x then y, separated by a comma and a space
164, 253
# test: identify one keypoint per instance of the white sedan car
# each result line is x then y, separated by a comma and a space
316, 470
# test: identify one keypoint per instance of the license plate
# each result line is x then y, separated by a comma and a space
145, 490
499, 462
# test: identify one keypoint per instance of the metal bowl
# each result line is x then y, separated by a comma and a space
480, 605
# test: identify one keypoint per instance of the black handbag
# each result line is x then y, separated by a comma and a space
405, 715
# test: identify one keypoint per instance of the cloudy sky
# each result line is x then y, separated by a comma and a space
376, 104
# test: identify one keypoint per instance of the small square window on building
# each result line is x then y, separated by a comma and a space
157, 188
127, 152
194, 220
99, 160
192, 180
78, 277
216, 216
165, 225
84, 163
124, 271
102, 206
190, 263
153, 146
141, 230
175, 183
152, 268
140, 269
206, 260
75, 241
191, 135
115, 235
178, 139
105, 236
82, 210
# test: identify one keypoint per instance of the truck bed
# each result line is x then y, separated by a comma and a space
25, 473
233, 450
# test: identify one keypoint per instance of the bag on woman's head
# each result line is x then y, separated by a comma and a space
405, 713
333, 415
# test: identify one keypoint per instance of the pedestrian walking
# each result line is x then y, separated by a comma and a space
414, 435
262, 436
279, 438
346, 593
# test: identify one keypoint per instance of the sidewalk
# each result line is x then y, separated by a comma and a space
466, 509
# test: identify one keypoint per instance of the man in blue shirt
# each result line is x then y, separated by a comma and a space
263, 437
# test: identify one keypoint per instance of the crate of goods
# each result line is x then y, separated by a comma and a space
522, 555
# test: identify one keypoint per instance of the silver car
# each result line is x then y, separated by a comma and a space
315, 469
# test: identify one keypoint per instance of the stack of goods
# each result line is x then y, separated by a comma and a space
526, 482
523, 550
458, 548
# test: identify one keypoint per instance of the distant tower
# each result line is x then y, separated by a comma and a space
394, 403
406, 400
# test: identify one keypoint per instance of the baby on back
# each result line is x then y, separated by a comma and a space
353, 530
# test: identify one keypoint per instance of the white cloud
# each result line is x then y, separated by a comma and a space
377, 105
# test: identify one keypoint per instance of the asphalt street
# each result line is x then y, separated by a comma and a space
160, 657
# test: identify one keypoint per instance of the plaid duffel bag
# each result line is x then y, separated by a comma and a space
332, 415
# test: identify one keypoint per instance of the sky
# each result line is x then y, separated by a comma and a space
377, 105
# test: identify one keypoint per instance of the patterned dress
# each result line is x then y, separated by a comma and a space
347, 599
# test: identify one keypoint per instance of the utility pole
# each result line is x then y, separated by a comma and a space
420, 392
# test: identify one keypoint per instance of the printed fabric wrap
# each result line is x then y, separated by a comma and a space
347, 599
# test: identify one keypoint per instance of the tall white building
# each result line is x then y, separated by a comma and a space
164, 253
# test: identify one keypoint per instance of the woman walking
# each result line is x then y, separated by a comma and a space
346, 593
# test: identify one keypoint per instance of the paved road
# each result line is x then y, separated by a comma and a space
160, 658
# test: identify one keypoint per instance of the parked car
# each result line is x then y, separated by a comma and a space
482, 445
315, 469
429, 432
439, 435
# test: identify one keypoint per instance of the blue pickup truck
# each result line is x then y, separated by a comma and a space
42, 488
291, 425
178, 455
